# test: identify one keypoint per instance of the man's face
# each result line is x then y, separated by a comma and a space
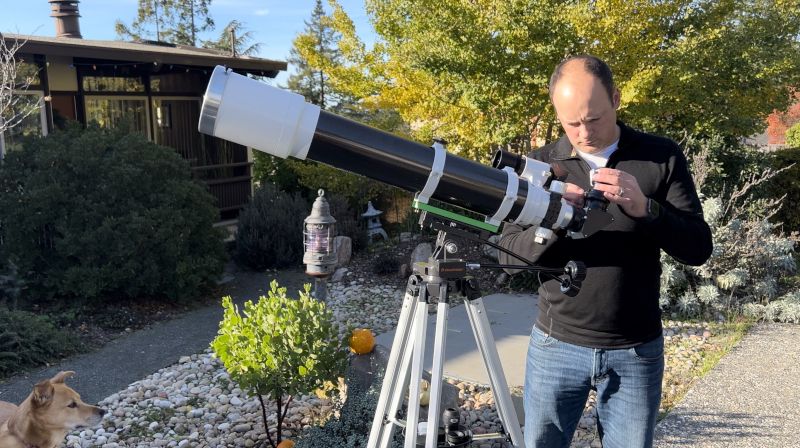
585, 111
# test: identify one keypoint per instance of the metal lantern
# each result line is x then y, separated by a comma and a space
319, 230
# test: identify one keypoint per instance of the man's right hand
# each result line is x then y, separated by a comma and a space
574, 195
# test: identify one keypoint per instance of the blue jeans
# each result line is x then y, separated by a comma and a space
558, 379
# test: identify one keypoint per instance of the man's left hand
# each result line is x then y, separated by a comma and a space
622, 189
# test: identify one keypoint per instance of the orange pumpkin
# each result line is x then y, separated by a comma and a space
362, 341
286, 443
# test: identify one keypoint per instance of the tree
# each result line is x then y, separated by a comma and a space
476, 72
793, 136
175, 21
235, 39
15, 75
320, 39
779, 123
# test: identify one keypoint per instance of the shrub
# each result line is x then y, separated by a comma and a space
28, 340
750, 260
95, 213
348, 222
280, 347
793, 136
11, 286
787, 183
270, 231
268, 169
385, 263
356, 189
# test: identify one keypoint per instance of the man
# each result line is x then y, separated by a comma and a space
608, 337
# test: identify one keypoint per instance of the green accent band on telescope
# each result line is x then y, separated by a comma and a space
455, 216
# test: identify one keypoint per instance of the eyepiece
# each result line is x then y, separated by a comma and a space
503, 159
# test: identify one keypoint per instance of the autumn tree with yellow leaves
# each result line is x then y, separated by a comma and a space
475, 72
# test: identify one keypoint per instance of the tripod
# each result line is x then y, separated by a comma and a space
435, 280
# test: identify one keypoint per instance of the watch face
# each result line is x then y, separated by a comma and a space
653, 208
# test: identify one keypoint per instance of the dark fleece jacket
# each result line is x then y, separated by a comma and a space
617, 305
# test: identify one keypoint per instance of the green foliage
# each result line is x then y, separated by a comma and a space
307, 81
385, 264
11, 286
353, 187
241, 40
100, 213
280, 346
175, 21
751, 258
268, 169
787, 183
29, 340
476, 73
793, 136
270, 231
348, 222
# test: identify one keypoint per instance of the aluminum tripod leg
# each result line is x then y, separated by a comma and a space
486, 345
417, 364
394, 378
439, 342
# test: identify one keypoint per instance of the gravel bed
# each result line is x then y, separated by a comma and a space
193, 403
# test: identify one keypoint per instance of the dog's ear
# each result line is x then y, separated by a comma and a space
61, 377
42, 392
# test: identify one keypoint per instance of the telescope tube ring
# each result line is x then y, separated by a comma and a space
437, 169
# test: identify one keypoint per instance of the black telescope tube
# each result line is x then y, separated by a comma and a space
355, 147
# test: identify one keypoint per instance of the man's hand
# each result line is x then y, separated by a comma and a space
622, 189
573, 194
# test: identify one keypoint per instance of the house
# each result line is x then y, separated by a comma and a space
154, 87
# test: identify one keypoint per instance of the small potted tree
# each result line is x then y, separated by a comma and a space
280, 347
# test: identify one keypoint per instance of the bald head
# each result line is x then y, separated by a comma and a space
588, 64
586, 108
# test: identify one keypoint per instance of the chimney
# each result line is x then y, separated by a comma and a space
65, 12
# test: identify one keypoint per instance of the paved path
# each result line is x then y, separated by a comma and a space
134, 356
750, 399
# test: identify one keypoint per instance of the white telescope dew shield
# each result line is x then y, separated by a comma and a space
282, 123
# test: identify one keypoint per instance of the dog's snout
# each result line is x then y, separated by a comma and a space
100, 411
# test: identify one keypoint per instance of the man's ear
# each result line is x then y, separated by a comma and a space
61, 377
42, 392
616, 98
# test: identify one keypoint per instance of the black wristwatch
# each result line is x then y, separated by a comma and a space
653, 209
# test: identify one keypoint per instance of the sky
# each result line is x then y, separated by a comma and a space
274, 23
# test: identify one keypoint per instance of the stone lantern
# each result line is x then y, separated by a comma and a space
374, 227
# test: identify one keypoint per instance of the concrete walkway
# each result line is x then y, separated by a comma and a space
134, 356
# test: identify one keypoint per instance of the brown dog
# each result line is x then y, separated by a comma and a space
49, 413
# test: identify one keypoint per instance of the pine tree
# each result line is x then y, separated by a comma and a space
234, 31
175, 21
307, 81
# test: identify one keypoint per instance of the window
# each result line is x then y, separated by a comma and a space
30, 108
113, 84
115, 112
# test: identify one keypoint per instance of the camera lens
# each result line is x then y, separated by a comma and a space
596, 200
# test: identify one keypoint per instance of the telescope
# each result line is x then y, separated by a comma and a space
281, 123
516, 190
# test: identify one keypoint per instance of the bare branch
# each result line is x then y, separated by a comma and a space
13, 79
